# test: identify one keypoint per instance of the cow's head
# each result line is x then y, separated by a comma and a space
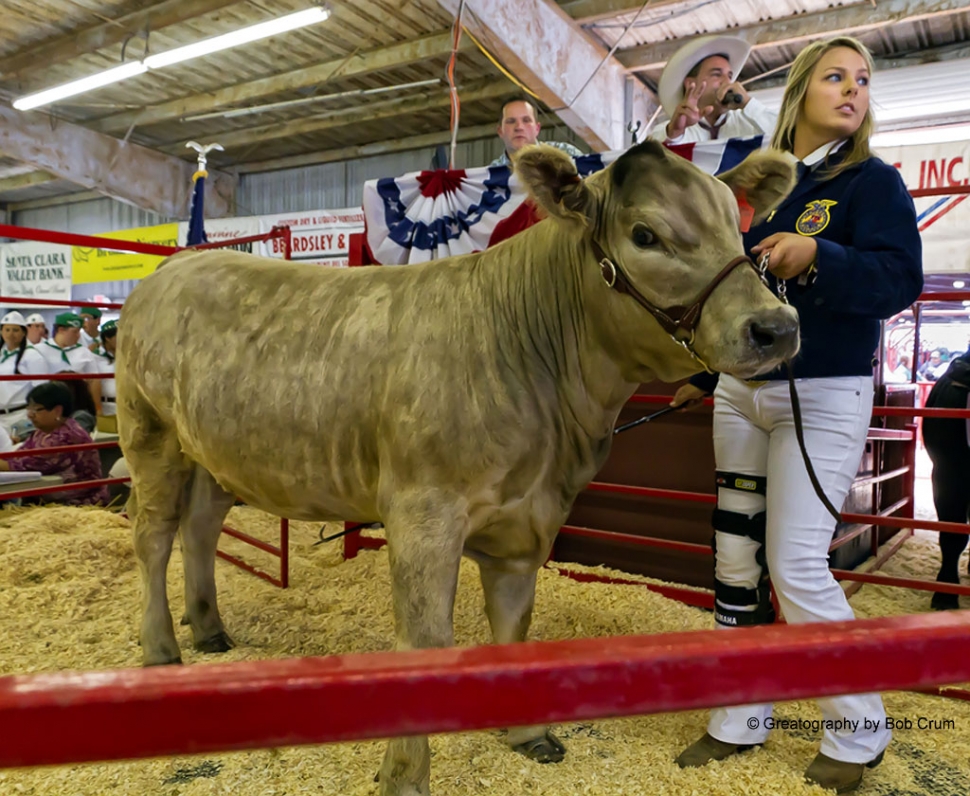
670, 229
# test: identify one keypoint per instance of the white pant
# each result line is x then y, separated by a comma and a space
754, 434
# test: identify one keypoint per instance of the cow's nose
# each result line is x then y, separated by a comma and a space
775, 331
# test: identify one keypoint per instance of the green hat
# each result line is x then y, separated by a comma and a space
108, 328
68, 319
94, 312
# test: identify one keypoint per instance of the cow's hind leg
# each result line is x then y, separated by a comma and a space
159, 476
200, 528
509, 597
425, 537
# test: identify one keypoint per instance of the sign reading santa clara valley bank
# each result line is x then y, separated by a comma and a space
35, 270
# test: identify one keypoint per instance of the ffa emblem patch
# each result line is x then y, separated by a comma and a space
815, 218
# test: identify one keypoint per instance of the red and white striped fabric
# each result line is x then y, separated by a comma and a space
431, 214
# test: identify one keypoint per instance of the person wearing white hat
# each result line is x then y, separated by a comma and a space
17, 357
701, 97
36, 325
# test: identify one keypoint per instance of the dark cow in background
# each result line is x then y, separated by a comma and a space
485, 391
947, 441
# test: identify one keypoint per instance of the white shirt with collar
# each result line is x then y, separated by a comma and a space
106, 364
816, 158
14, 393
753, 119
75, 358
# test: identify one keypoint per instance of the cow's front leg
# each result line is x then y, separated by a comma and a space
425, 549
509, 598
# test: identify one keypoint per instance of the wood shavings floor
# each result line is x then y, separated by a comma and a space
69, 600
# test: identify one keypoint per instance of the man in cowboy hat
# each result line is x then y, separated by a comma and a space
701, 98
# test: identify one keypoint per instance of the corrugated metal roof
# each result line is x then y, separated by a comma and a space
689, 18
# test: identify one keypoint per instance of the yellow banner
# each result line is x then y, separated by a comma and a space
106, 265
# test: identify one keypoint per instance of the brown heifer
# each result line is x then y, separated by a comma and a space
463, 402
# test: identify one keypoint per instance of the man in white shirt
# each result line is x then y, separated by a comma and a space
64, 353
90, 320
105, 356
701, 98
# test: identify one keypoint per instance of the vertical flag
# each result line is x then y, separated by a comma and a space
196, 233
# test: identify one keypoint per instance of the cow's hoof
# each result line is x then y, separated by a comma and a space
176, 661
220, 642
544, 749
945, 602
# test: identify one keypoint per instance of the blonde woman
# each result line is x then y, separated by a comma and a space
846, 246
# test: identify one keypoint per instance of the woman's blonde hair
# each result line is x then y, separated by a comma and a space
799, 76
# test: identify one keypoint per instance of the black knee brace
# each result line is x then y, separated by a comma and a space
751, 606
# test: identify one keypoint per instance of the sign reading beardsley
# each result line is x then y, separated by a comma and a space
35, 270
318, 236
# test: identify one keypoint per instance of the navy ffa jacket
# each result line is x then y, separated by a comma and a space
869, 264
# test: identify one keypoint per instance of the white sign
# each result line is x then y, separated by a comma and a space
318, 236
35, 270
219, 230
944, 221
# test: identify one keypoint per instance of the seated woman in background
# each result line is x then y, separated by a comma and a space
49, 407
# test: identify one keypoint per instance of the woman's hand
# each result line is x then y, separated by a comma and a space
688, 397
788, 254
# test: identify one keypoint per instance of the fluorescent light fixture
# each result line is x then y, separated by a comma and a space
263, 30
89, 83
922, 135
252, 33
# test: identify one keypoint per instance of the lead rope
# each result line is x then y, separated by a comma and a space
796, 406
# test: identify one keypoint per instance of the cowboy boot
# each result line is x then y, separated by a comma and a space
836, 775
708, 748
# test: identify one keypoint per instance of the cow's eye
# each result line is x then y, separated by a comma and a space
643, 238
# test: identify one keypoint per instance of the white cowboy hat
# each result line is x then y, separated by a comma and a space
13, 318
670, 89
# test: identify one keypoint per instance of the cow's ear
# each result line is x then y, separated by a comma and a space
763, 178
550, 175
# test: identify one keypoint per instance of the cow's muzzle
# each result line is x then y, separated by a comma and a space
774, 333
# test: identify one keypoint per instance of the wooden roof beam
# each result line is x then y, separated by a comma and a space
25, 180
346, 66
546, 50
134, 174
488, 88
368, 150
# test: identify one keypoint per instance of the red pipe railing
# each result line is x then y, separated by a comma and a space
77, 717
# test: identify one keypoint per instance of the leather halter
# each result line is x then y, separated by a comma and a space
679, 322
